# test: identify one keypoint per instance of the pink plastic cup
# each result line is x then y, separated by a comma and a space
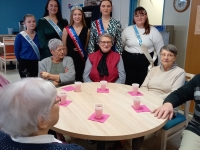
135, 88
103, 85
98, 111
78, 86
63, 97
136, 102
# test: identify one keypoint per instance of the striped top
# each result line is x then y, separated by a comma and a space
190, 91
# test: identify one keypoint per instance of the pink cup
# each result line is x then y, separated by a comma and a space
103, 85
98, 110
63, 97
136, 102
135, 88
78, 86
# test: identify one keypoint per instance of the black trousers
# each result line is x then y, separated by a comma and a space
136, 67
28, 68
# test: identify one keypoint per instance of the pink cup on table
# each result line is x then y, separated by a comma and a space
98, 110
63, 97
136, 102
78, 86
135, 87
103, 85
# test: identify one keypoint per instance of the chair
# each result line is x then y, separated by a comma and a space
177, 124
8, 52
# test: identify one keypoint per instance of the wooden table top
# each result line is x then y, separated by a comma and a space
123, 123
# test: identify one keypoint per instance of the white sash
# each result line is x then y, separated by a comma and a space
34, 46
56, 28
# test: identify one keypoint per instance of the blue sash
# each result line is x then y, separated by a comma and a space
99, 25
56, 28
34, 46
76, 41
138, 35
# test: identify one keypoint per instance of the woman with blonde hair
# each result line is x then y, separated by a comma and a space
75, 37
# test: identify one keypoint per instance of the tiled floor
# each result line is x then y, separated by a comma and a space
150, 143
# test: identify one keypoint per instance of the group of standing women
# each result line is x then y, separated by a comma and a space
81, 42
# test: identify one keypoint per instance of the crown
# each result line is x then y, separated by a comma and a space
76, 6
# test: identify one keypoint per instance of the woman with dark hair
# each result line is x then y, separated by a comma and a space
142, 43
50, 26
75, 37
27, 48
105, 24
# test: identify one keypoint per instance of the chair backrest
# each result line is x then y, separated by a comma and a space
8, 45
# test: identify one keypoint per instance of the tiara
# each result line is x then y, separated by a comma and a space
76, 6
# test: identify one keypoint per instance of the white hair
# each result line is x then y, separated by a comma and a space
54, 43
23, 103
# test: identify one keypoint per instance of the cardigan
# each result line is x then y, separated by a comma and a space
162, 83
65, 78
114, 29
189, 91
6, 143
115, 68
23, 48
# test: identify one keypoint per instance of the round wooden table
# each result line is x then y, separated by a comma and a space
123, 123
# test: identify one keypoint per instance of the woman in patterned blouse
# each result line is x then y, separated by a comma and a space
105, 24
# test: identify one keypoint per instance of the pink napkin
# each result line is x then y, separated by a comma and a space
102, 120
67, 103
138, 94
99, 90
142, 108
69, 88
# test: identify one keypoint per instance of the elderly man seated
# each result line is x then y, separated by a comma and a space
28, 109
58, 68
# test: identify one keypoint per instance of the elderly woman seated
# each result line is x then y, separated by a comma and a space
26, 116
104, 64
58, 68
167, 77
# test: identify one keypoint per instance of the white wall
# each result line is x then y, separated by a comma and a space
181, 24
120, 10
154, 10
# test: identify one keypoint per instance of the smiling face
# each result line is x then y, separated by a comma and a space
167, 58
77, 16
105, 8
105, 44
52, 7
140, 17
30, 23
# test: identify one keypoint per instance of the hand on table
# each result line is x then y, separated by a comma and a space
164, 111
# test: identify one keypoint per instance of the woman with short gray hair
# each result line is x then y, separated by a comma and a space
58, 68
29, 108
167, 77
104, 64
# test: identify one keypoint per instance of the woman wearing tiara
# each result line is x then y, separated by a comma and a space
50, 26
27, 49
105, 24
75, 37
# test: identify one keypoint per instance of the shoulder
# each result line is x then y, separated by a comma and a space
18, 36
180, 70
42, 20
46, 60
128, 29
115, 21
153, 30
67, 59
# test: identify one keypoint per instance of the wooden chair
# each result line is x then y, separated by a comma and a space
177, 124
8, 52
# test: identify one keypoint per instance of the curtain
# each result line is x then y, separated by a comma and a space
132, 6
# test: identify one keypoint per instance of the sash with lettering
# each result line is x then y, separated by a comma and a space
56, 28
76, 41
99, 26
34, 46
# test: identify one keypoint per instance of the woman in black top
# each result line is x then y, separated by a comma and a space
75, 37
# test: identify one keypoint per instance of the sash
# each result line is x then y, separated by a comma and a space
76, 41
145, 50
99, 25
34, 46
56, 28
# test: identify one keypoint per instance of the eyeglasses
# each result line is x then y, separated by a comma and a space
106, 42
58, 100
168, 55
